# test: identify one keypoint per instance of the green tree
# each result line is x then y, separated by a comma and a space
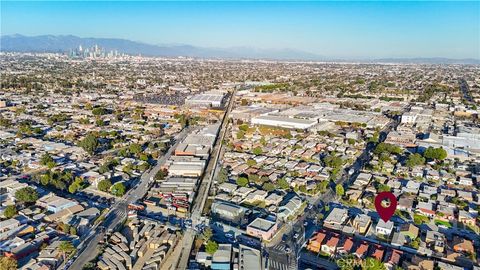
66, 247
242, 181
118, 189
435, 153
222, 175
339, 190
333, 161
47, 160
135, 148
240, 135
207, 234
386, 148
76, 185
65, 227
383, 188
7, 263
26, 195
415, 243
415, 160
211, 247
160, 175
99, 111
10, 211
283, 183
257, 151
268, 186
243, 127
4, 122
104, 185
73, 231
89, 143
251, 162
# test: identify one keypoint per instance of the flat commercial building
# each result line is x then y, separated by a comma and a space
229, 211
55, 203
207, 99
283, 122
249, 258
185, 166
262, 228
221, 259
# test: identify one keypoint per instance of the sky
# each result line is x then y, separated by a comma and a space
360, 30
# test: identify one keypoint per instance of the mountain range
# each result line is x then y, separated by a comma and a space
64, 43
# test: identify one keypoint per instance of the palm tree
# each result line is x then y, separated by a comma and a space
66, 247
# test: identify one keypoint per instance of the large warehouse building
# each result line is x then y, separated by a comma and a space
284, 122
207, 99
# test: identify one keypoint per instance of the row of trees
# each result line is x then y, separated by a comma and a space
431, 154
63, 180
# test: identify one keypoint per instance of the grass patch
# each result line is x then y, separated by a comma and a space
444, 223
419, 219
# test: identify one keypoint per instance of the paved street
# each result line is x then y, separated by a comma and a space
87, 250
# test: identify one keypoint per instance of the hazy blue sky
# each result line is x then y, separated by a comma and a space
333, 29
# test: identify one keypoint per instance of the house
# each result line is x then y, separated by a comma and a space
436, 240
363, 179
392, 259
273, 199
330, 247
243, 192
466, 218
290, 208
409, 230
227, 187
384, 228
418, 263
361, 223
9, 224
92, 177
51, 255
426, 209
346, 247
405, 203
315, 243
336, 218
361, 251
377, 252
262, 228
10, 187
256, 196
463, 245
445, 212
412, 187
28, 248
464, 181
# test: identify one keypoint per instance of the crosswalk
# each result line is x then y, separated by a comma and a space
275, 265
281, 258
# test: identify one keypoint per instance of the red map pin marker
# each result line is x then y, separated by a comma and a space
386, 212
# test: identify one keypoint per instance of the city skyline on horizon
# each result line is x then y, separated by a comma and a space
343, 30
